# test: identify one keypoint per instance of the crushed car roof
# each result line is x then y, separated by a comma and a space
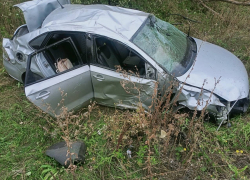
121, 21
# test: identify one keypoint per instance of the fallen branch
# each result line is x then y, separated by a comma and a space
210, 9
235, 2
124, 129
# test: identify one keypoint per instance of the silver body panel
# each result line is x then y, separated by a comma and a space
109, 91
73, 87
12, 70
14, 67
214, 63
37, 10
190, 95
98, 19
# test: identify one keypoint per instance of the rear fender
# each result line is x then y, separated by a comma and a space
8, 47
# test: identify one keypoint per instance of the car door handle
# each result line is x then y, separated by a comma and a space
43, 94
99, 77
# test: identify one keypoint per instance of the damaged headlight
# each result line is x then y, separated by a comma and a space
193, 98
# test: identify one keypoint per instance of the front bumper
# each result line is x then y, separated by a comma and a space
212, 103
239, 106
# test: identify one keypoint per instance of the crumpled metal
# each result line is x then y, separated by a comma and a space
37, 10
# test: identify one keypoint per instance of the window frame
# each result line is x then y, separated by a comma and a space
17, 31
28, 69
93, 61
46, 36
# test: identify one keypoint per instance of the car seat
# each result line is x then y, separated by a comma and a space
106, 56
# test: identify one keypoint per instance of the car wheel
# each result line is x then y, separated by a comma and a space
177, 108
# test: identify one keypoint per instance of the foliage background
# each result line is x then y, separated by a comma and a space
25, 133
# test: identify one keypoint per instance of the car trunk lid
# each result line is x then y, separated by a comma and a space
37, 10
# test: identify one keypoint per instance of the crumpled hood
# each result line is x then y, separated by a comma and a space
214, 62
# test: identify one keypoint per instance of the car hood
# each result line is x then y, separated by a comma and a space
214, 63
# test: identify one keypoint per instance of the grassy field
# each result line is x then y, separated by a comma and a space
25, 132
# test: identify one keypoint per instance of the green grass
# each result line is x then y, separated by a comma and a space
25, 132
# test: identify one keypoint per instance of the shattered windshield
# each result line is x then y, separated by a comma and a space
164, 43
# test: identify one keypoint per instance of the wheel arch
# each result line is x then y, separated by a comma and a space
23, 77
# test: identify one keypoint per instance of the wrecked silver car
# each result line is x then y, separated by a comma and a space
75, 49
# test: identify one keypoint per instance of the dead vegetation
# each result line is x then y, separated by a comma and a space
243, 3
163, 143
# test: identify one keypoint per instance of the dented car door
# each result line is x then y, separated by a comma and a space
117, 90
71, 88
120, 76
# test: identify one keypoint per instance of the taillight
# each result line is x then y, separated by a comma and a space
5, 55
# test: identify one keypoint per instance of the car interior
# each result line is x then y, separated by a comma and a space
112, 54
72, 47
66, 50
